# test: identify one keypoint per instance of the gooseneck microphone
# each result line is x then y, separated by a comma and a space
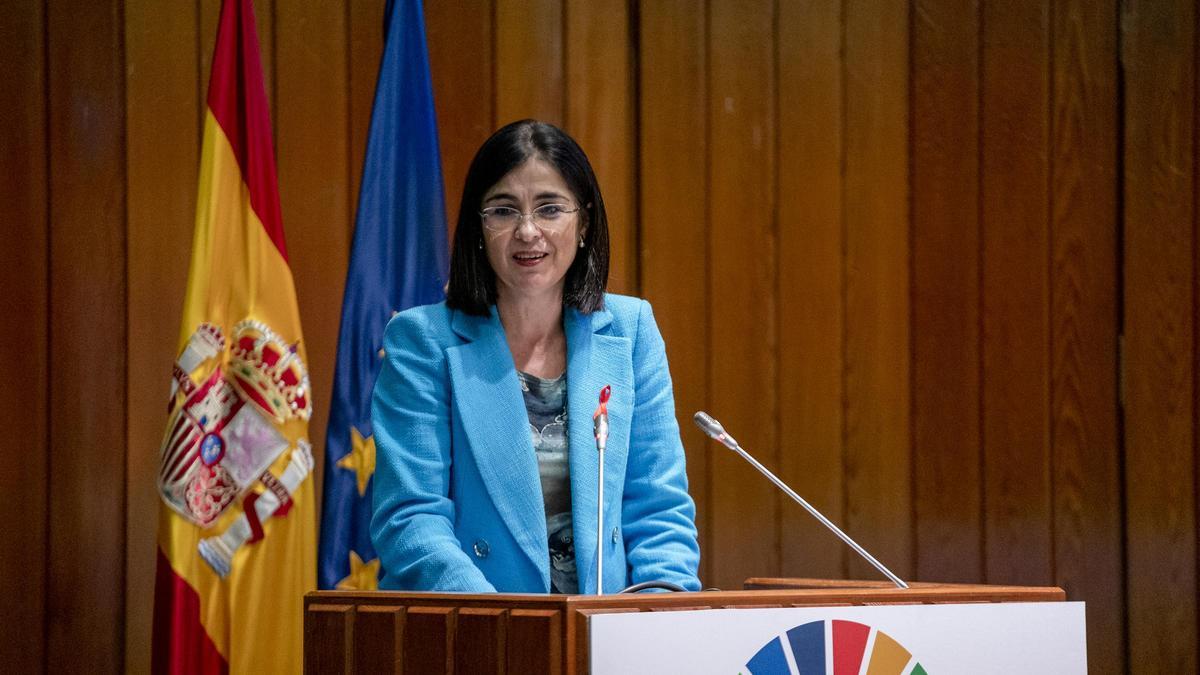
714, 430
600, 429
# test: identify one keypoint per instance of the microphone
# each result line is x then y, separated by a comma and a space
600, 429
715, 431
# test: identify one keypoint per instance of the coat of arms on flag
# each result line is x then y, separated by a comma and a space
222, 437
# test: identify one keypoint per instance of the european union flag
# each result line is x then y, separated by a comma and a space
399, 260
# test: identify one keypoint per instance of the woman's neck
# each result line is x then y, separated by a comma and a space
534, 331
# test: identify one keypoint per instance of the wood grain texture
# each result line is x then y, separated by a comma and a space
313, 155
1088, 554
876, 331
464, 78
743, 394
600, 115
86, 552
811, 282
161, 99
481, 641
24, 266
1014, 225
329, 639
744, 341
364, 23
946, 290
535, 638
429, 640
1158, 51
379, 640
529, 61
673, 223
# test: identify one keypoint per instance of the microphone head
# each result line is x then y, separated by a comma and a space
713, 428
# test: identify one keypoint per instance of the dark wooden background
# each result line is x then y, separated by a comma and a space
897, 247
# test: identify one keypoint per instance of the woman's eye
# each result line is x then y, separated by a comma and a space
550, 210
504, 212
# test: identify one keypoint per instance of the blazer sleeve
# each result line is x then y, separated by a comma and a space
657, 512
412, 521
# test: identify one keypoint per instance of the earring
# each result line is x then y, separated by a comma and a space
581, 242
480, 244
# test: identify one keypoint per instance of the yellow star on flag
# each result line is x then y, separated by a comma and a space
364, 576
360, 459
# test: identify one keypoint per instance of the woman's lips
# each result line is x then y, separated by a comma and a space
529, 259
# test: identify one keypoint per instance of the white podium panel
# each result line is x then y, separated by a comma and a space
1024, 637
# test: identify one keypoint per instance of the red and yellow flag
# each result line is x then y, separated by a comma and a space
236, 536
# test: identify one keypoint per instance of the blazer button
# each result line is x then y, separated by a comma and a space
616, 536
481, 548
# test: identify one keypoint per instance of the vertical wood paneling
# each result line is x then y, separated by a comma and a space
460, 62
876, 332
313, 153
673, 223
1158, 54
429, 640
600, 115
1014, 228
529, 632
365, 21
378, 640
86, 553
811, 282
744, 508
946, 283
1088, 554
481, 641
24, 478
161, 103
529, 61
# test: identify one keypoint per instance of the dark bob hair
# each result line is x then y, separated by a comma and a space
472, 287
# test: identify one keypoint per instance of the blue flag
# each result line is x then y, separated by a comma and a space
399, 259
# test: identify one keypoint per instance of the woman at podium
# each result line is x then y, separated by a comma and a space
486, 474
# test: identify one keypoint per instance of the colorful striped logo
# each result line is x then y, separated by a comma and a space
834, 647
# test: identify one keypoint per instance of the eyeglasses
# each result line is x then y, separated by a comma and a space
547, 217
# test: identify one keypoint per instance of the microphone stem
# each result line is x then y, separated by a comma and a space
733, 445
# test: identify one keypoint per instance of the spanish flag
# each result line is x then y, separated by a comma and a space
236, 540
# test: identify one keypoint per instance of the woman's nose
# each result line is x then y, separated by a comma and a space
526, 229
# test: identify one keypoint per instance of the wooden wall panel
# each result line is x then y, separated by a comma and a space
600, 115
946, 285
364, 26
86, 552
673, 224
1158, 51
876, 351
24, 297
528, 48
1014, 227
161, 103
1088, 555
311, 131
464, 76
811, 283
742, 303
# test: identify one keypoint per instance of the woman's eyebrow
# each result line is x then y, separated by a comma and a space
500, 196
550, 195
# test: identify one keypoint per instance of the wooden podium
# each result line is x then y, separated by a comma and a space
390, 632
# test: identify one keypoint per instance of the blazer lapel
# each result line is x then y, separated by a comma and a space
488, 400
595, 360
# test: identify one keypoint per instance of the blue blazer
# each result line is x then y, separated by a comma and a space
457, 499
